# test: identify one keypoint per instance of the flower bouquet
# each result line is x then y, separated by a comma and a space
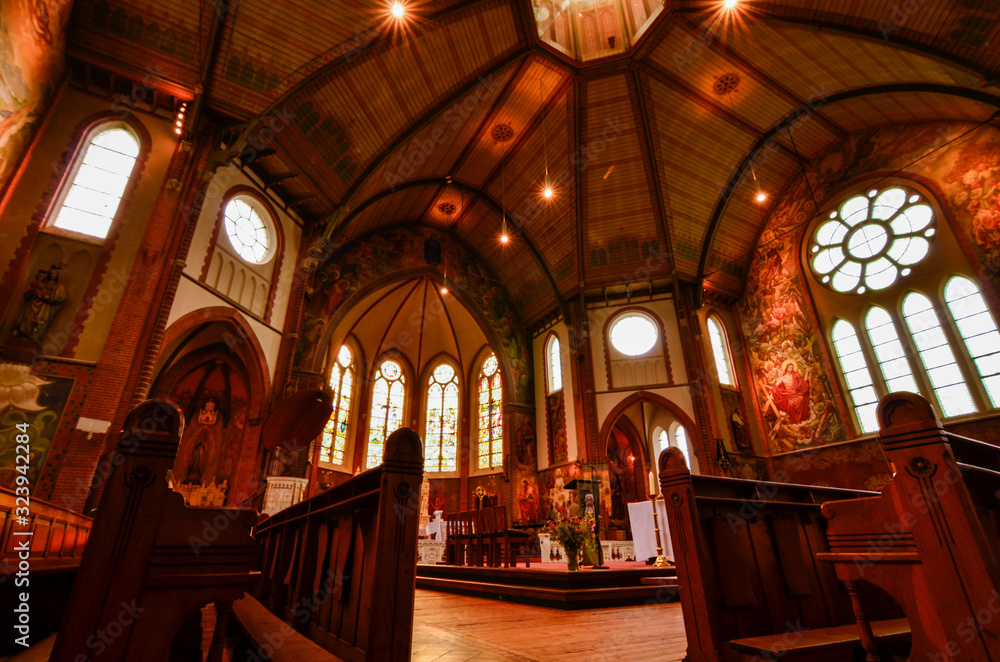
574, 534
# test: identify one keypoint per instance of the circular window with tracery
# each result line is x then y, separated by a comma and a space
248, 232
872, 240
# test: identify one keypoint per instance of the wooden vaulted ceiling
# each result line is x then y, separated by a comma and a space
651, 154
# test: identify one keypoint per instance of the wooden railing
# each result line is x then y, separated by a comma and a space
931, 538
341, 567
746, 567
57, 535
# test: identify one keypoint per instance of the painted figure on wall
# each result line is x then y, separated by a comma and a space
44, 296
528, 503
791, 394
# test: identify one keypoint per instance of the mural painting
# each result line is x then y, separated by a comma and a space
396, 249
524, 471
794, 396
36, 404
32, 38
555, 421
557, 502
214, 397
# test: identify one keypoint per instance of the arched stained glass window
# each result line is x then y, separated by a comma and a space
855, 370
664, 440
441, 432
248, 231
490, 415
388, 397
720, 351
334, 440
889, 352
99, 181
939, 360
681, 442
553, 365
978, 330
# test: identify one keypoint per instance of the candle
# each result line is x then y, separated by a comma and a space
652, 484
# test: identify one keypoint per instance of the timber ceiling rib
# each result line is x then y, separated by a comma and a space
658, 152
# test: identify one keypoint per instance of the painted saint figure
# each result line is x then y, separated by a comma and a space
528, 503
791, 394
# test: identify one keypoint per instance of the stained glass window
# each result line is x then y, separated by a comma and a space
553, 364
490, 415
99, 183
978, 330
854, 367
872, 240
388, 393
720, 350
939, 360
441, 433
333, 444
247, 231
664, 441
889, 352
681, 442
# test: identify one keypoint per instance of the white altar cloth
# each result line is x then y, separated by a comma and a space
640, 515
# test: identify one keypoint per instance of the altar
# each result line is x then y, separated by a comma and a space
614, 550
640, 515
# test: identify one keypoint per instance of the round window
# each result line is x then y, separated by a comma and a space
250, 235
633, 334
872, 240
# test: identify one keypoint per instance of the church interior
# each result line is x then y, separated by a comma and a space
730, 230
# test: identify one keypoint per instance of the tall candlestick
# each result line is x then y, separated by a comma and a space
652, 484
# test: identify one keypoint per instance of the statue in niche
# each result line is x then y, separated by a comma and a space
198, 455
44, 296
737, 425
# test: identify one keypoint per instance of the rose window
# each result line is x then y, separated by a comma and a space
872, 240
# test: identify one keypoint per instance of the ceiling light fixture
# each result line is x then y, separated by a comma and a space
761, 196
398, 10
729, 4
547, 190
504, 236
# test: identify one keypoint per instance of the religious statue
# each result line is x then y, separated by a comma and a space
791, 394
198, 453
737, 426
43, 298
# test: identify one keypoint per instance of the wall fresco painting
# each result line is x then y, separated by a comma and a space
36, 404
793, 392
32, 42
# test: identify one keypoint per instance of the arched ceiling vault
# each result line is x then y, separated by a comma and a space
359, 126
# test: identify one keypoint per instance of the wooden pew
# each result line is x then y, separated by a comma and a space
930, 539
150, 562
749, 583
58, 536
340, 567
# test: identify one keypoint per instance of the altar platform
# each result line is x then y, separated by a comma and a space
552, 585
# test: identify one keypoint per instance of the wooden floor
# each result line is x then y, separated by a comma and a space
458, 628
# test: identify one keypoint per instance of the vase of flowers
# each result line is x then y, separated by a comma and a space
573, 533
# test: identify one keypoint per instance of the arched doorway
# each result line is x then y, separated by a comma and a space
625, 459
